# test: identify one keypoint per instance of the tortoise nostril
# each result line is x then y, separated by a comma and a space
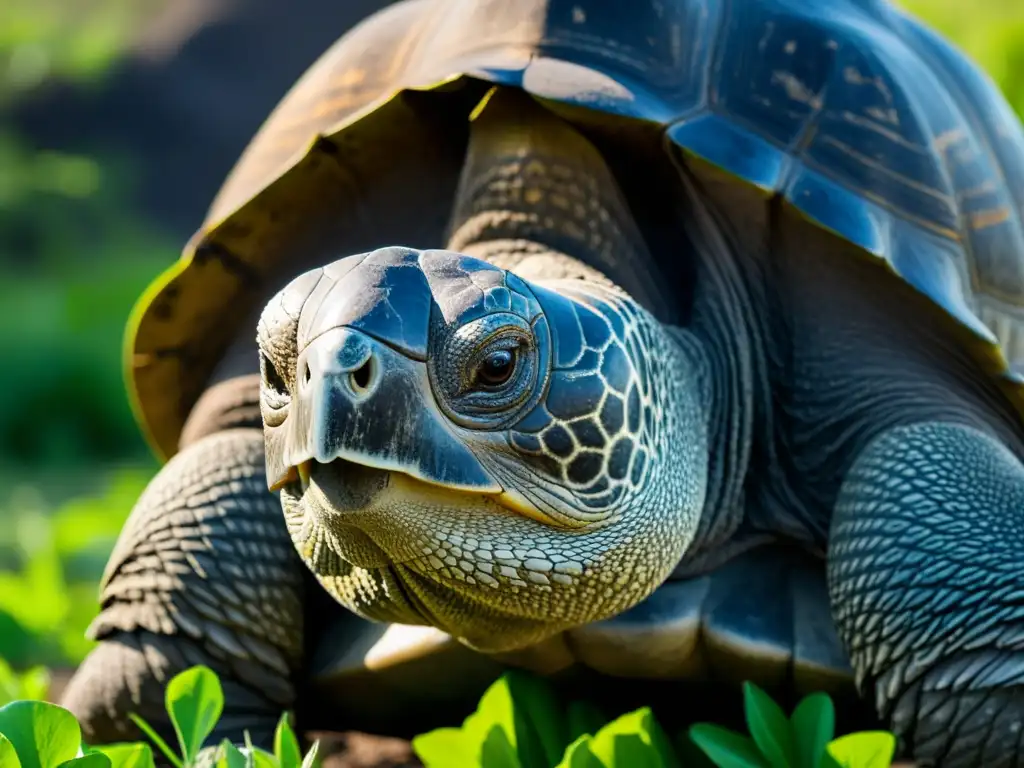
362, 376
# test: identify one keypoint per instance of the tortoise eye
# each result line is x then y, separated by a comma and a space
497, 368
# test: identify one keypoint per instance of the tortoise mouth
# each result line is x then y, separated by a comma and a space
347, 486
366, 477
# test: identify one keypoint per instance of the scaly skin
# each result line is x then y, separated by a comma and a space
583, 477
202, 574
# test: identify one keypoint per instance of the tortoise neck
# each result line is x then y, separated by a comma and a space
536, 198
726, 324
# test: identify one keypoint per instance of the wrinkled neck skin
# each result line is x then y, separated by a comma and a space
727, 327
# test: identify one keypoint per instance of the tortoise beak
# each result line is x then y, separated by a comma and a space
362, 401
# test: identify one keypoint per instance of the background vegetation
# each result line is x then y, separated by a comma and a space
75, 252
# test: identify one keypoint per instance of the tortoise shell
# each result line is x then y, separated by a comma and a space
850, 112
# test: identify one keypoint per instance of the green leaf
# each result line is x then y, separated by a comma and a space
91, 760
579, 755
657, 738
444, 748
725, 748
153, 736
231, 756
539, 719
286, 746
584, 719
195, 702
768, 727
310, 759
502, 727
867, 749
498, 750
261, 758
44, 735
135, 755
8, 755
813, 723
690, 754
634, 739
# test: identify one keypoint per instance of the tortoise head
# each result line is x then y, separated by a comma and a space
455, 446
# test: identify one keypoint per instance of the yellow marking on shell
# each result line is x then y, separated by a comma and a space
889, 172
881, 130
988, 218
885, 115
853, 76
482, 105
796, 89
931, 226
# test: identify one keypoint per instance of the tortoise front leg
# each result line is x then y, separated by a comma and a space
926, 577
204, 572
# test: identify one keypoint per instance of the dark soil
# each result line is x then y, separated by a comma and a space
360, 750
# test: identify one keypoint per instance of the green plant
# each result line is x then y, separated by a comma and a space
37, 734
195, 700
634, 739
520, 724
804, 740
52, 559
517, 724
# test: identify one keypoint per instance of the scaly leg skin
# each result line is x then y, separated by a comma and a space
926, 578
204, 572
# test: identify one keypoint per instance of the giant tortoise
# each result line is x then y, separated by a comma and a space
660, 346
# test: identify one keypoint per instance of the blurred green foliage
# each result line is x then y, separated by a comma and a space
50, 562
42, 39
75, 254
